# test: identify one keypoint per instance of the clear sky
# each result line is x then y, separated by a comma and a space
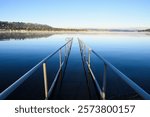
78, 13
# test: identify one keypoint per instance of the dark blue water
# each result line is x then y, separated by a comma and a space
129, 53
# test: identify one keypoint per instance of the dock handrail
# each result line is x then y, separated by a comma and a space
126, 79
4, 94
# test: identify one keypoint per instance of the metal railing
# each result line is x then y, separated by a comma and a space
102, 91
67, 47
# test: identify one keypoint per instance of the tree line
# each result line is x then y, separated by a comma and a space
146, 30
30, 27
23, 26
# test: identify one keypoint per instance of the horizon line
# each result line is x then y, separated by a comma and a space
89, 27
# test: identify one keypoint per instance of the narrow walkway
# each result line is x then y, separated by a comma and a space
73, 86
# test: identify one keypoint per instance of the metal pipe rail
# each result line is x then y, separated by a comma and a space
126, 79
17, 83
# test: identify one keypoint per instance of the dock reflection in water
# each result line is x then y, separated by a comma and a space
130, 54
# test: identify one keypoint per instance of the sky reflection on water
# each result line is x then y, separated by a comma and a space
130, 54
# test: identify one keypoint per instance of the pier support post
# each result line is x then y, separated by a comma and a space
84, 51
45, 81
104, 83
60, 57
89, 56
65, 51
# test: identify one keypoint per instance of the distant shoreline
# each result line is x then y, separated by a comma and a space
71, 32
17, 34
37, 29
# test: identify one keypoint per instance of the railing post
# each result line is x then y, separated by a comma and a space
80, 44
104, 83
45, 81
89, 56
65, 56
60, 59
81, 47
70, 46
65, 51
67, 48
84, 50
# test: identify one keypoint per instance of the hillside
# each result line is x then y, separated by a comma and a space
23, 26
31, 27
146, 30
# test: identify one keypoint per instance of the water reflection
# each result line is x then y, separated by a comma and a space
22, 36
130, 54
92, 90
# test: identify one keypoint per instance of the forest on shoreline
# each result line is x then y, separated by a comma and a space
17, 26
21, 26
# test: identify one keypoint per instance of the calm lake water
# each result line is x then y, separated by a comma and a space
129, 53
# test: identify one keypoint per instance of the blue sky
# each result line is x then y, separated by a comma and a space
78, 13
